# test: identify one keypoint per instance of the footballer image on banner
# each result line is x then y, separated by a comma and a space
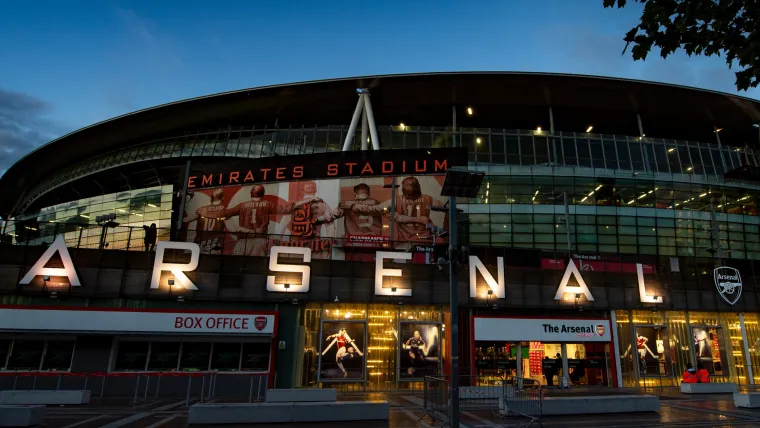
419, 349
341, 356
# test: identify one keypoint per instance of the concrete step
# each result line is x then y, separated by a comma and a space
21, 416
287, 412
45, 397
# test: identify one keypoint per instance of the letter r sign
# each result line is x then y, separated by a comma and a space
177, 269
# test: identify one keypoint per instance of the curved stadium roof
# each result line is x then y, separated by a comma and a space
509, 100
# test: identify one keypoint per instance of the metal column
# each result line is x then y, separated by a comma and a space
454, 308
181, 214
365, 130
564, 366
747, 361
371, 120
354, 122
616, 351
519, 366
567, 223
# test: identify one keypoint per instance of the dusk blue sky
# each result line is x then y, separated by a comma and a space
69, 64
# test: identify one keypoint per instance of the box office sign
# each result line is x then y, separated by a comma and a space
136, 321
542, 330
727, 280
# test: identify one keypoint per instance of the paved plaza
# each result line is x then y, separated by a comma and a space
406, 410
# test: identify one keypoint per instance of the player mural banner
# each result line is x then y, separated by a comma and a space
419, 350
342, 351
247, 220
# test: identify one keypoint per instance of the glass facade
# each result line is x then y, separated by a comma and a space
385, 339
77, 220
580, 152
655, 347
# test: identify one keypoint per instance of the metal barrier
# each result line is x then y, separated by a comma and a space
505, 396
256, 392
522, 397
435, 402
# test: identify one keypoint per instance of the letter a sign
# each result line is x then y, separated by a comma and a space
39, 268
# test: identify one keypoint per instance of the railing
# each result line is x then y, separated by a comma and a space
507, 396
257, 384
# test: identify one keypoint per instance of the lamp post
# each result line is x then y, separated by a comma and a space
459, 183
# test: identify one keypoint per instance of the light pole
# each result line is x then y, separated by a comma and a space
459, 183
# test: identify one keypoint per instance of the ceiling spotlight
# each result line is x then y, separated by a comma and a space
589, 129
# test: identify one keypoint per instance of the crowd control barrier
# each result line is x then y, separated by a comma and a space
507, 396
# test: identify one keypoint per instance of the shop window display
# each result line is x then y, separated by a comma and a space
710, 349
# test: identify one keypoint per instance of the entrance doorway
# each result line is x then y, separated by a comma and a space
588, 364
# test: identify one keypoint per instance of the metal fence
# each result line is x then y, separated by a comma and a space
522, 397
506, 397
145, 384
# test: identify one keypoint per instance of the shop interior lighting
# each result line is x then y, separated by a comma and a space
402, 126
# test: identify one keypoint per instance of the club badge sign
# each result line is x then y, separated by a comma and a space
728, 281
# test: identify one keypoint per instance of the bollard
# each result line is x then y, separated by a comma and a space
145, 396
250, 390
158, 385
137, 385
187, 399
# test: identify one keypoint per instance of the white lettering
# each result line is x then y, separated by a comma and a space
380, 272
276, 266
498, 288
563, 287
177, 269
39, 269
642, 288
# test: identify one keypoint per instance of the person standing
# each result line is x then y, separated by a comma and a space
548, 367
151, 234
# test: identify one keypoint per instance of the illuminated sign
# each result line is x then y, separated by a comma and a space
330, 165
177, 269
39, 268
276, 266
727, 280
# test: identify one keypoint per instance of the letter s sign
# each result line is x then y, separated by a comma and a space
276, 266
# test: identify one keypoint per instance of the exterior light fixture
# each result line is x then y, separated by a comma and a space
393, 289
538, 129
490, 292
670, 150
469, 111
402, 126
171, 282
718, 130
590, 127
689, 168
286, 286
478, 140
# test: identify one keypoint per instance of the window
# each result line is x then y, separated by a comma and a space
5, 346
131, 356
163, 355
255, 356
26, 354
58, 355
226, 356
195, 356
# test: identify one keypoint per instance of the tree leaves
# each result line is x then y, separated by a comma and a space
700, 27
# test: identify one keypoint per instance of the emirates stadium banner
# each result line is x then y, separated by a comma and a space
325, 215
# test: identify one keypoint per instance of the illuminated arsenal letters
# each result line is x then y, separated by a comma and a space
68, 266
497, 286
276, 266
177, 269
380, 272
563, 287
499, 290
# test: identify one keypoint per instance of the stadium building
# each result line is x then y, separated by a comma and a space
299, 232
